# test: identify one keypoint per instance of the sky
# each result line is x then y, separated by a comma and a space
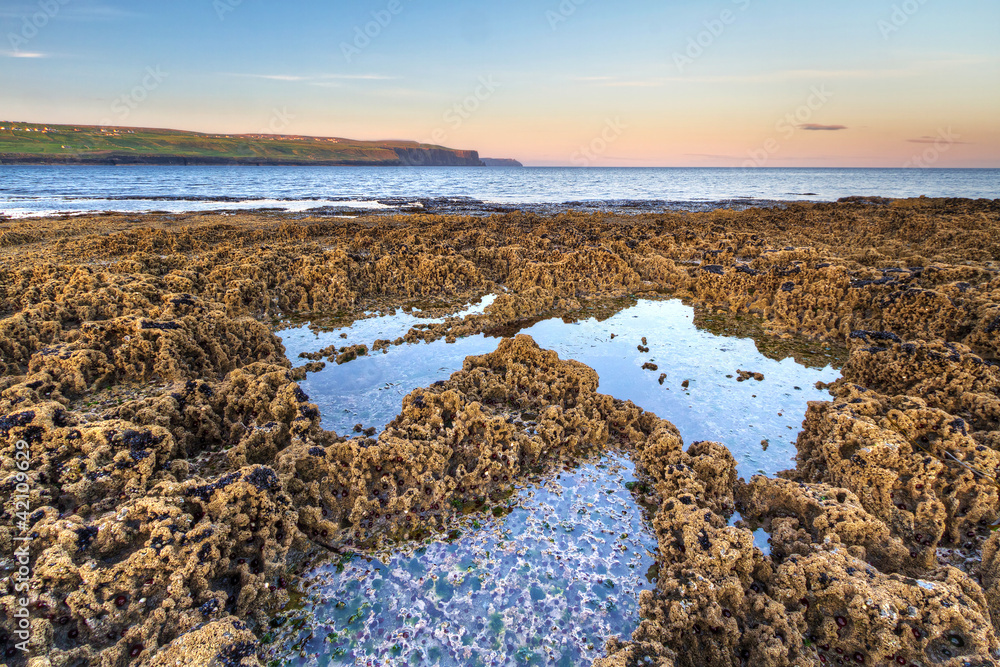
718, 83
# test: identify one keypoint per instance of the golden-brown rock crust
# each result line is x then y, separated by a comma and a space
178, 472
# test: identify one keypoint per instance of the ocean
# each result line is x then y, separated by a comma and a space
28, 191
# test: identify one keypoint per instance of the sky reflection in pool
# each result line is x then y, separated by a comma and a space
741, 415
714, 406
365, 331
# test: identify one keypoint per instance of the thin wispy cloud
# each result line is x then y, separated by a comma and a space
802, 158
273, 77
780, 76
816, 127
22, 54
770, 77
315, 79
75, 11
933, 140
398, 93
715, 157
358, 77
99, 13
649, 83
18, 10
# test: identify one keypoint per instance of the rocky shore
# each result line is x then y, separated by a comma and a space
178, 476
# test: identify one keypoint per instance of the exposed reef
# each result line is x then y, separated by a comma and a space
179, 476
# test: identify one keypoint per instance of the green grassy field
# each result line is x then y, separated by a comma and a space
22, 141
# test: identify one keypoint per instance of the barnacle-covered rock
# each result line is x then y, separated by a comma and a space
223, 643
913, 467
176, 465
802, 518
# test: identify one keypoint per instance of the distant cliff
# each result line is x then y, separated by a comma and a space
500, 162
437, 157
33, 143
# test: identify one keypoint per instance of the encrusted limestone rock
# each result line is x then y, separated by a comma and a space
176, 467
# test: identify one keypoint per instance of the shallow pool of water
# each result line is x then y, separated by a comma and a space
544, 583
367, 330
551, 576
757, 421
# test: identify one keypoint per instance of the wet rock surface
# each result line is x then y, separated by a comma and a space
179, 476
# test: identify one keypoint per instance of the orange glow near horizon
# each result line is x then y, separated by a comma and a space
746, 82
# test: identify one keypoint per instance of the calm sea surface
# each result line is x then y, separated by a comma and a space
43, 190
